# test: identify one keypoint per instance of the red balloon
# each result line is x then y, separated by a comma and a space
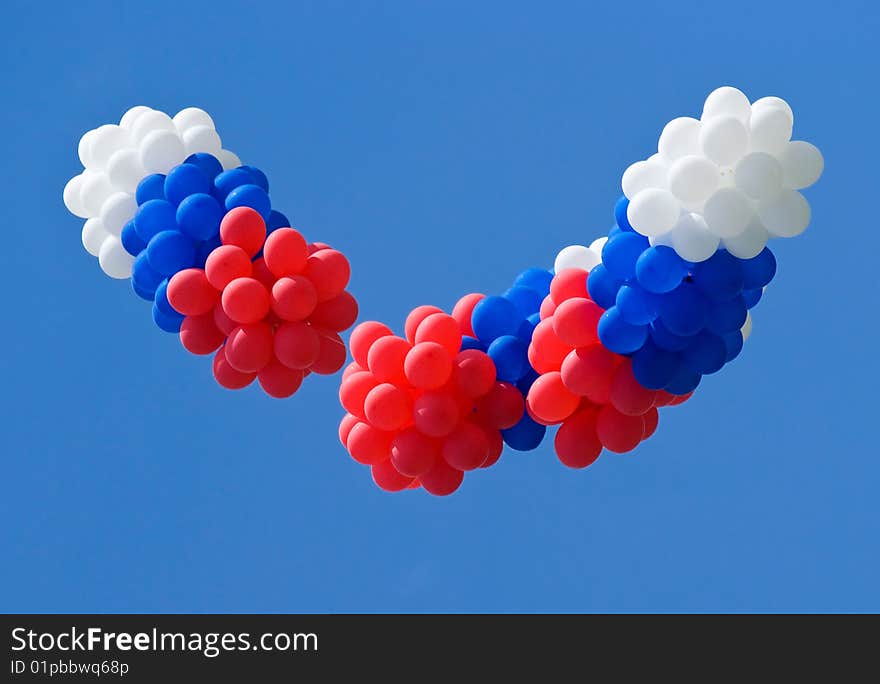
413, 453
547, 307
575, 321
387, 478
317, 247
442, 479
285, 252
263, 274
546, 350
496, 446
200, 335
568, 283
367, 444
550, 401
223, 322
577, 441
473, 373
388, 407
294, 298
345, 425
627, 395
249, 347
442, 329
226, 263
466, 447
436, 414
680, 398
331, 353
386, 358
351, 369
663, 398
335, 314
227, 376
245, 228
362, 338
329, 272
651, 418
588, 372
353, 392
416, 316
279, 381
190, 293
427, 365
502, 407
297, 345
464, 309
618, 432
245, 300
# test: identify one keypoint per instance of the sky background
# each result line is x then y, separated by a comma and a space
444, 147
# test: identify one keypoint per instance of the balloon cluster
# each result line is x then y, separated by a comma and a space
728, 180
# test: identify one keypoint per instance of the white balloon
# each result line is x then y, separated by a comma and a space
117, 210
680, 137
643, 175
727, 177
746, 330
802, 164
724, 139
132, 115
106, 140
692, 239
73, 197
727, 212
124, 169
750, 242
665, 239
201, 139
597, 244
576, 256
192, 117
693, 178
770, 130
161, 151
84, 149
773, 103
94, 192
785, 215
653, 211
759, 175
228, 159
148, 122
113, 258
93, 236
727, 101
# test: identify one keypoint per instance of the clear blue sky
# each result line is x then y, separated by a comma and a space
444, 147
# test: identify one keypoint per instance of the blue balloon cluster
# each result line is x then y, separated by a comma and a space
677, 320
503, 326
177, 223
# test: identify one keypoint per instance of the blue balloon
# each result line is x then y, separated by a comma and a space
621, 253
758, 271
204, 249
618, 335
727, 317
602, 286
276, 220
527, 300
208, 163
154, 216
686, 381
199, 216
527, 329
510, 355
734, 343
525, 383
170, 324
683, 311
637, 306
495, 316
752, 297
140, 292
705, 354
162, 302
185, 180
144, 277
151, 187
525, 435
131, 241
259, 178
228, 181
659, 269
654, 367
171, 251
720, 277
468, 342
614, 230
664, 339
252, 196
537, 279
620, 215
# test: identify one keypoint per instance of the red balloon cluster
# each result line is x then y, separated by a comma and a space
274, 317
420, 412
589, 391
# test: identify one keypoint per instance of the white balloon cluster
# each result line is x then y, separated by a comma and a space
729, 179
116, 157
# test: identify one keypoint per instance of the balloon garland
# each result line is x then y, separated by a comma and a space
617, 330
194, 230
